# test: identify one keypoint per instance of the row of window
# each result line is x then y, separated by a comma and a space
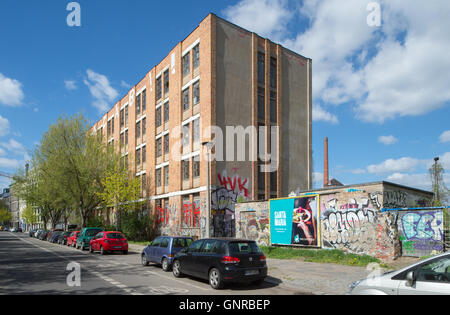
195, 60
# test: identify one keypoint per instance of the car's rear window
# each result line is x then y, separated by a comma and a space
115, 236
181, 242
92, 232
244, 248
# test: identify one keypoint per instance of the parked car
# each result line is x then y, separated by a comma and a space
428, 277
109, 242
86, 236
163, 249
222, 260
43, 235
32, 232
72, 239
62, 238
55, 236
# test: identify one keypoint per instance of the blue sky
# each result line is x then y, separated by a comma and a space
381, 94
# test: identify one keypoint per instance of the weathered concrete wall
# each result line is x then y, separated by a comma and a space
252, 221
353, 219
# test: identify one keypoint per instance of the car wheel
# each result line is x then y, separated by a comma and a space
82, 247
125, 252
90, 249
258, 282
215, 279
165, 265
144, 260
177, 269
102, 250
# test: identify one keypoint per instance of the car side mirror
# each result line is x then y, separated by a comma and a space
410, 279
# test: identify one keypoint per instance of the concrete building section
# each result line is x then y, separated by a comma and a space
356, 219
214, 79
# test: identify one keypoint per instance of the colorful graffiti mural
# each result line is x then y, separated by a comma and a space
252, 222
355, 224
421, 232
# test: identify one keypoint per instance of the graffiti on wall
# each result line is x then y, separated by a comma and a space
421, 232
188, 222
395, 199
252, 222
231, 190
353, 222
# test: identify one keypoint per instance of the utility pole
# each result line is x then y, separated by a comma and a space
436, 180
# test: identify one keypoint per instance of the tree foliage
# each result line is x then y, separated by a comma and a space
441, 192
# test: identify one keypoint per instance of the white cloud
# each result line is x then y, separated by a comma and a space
319, 114
384, 71
268, 18
421, 181
14, 147
388, 140
445, 137
125, 84
101, 90
11, 93
358, 171
405, 164
70, 85
317, 179
4, 126
9, 163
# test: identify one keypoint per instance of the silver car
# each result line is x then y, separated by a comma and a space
430, 276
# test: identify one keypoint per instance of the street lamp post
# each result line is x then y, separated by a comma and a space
436, 187
209, 146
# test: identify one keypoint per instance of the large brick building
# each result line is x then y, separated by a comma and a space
225, 77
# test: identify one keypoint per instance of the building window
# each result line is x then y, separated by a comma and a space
126, 138
138, 105
122, 118
273, 106
144, 154
196, 56
196, 167
138, 157
187, 64
144, 128
108, 130
196, 130
144, 183
158, 88
159, 147
158, 117
196, 93
126, 115
112, 126
166, 144
166, 82
122, 140
186, 138
185, 169
261, 104
261, 68
186, 99
144, 101
273, 181
166, 176
138, 130
261, 179
166, 112
273, 73
158, 178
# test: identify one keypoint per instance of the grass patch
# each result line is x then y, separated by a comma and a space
319, 255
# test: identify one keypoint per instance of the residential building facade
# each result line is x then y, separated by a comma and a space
225, 85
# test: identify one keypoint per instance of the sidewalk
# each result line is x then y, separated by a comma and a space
308, 277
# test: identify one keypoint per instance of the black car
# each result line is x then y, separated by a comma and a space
43, 235
54, 237
222, 260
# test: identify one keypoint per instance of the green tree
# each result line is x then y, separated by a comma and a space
441, 192
5, 215
30, 216
121, 191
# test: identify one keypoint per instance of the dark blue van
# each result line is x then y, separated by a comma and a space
163, 249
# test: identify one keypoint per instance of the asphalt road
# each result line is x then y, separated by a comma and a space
31, 266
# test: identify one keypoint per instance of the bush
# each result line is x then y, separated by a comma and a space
137, 227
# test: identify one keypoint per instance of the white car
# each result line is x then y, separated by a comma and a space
428, 277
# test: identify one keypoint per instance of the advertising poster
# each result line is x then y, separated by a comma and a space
294, 221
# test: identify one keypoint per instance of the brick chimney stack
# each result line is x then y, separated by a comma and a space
326, 178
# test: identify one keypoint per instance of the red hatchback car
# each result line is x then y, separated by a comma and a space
109, 242
72, 239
